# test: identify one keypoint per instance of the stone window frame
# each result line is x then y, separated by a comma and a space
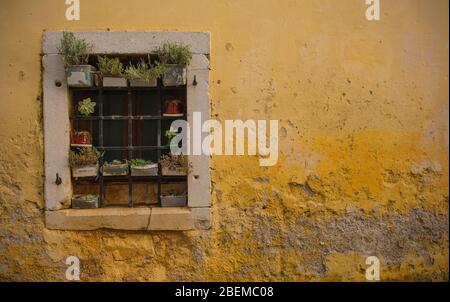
58, 215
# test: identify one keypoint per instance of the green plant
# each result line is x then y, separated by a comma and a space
110, 66
137, 162
174, 53
85, 157
170, 134
86, 107
74, 51
144, 71
173, 161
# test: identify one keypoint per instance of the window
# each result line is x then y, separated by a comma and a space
128, 123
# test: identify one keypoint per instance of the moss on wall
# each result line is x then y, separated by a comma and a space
363, 167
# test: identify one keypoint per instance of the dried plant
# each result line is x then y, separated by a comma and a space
144, 71
110, 66
85, 157
173, 161
174, 53
74, 51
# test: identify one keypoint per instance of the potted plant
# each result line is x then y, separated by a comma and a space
88, 201
143, 74
75, 54
173, 108
141, 167
84, 162
111, 71
115, 168
174, 164
86, 107
172, 198
81, 139
175, 57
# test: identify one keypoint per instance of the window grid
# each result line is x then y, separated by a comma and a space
129, 148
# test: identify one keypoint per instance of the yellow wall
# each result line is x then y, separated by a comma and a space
363, 110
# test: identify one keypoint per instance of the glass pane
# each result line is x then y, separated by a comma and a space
115, 103
145, 132
145, 103
146, 155
111, 155
115, 133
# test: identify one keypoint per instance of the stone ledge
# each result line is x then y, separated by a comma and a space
171, 219
130, 42
161, 219
93, 219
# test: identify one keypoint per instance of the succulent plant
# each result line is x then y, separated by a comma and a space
86, 107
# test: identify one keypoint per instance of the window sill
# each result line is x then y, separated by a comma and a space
146, 219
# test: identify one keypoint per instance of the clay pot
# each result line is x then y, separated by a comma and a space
173, 108
82, 138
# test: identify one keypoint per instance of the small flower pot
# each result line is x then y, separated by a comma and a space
80, 75
81, 139
147, 170
178, 171
114, 81
174, 75
173, 201
115, 169
85, 171
84, 202
142, 83
173, 108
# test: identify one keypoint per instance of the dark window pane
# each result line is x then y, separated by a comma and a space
145, 103
111, 155
115, 103
115, 133
146, 155
145, 133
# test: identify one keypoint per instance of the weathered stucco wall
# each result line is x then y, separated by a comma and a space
363, 167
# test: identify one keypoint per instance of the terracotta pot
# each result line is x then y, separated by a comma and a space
173, 108
82, 138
